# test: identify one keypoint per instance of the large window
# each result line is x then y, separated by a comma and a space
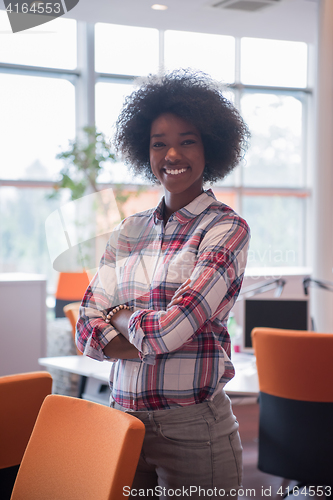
126, 50
42, 104
47, 47
273, 63
273, 99
32, 121
23, 245
37, 119
213, 54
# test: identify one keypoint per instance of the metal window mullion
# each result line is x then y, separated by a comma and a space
308, 234
276, 191
305, 143
237, 60
309, 152
114, 78
272, 89
238, 172
18, 69
161, 50
85, 88
303, 236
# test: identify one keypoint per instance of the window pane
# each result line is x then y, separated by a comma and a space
52, 46
275, 154
109, 100
228, 198
126, 50
213, 54
273, 62
23, 248
37, 120
230, 179
276, 224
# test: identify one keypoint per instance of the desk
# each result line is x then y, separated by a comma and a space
245, 382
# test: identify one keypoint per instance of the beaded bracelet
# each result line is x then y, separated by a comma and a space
113, 311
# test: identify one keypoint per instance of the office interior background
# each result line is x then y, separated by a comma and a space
274, 58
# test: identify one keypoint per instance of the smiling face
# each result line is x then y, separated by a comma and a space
177, 159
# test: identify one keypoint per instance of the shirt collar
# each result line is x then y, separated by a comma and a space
159, 210
190, 211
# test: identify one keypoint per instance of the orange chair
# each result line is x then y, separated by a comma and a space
21, 397
72, 313
295, 370
71, 288
79, 450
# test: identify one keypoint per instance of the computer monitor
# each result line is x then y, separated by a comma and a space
273, 313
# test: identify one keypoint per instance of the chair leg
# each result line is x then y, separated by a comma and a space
82, 386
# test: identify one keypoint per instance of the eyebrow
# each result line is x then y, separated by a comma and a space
190, 132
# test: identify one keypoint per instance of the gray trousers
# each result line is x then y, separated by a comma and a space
189, 452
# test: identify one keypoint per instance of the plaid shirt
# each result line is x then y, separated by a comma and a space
185, 349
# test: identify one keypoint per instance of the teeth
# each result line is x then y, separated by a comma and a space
175, 172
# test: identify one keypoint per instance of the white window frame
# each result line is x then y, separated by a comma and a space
84, 78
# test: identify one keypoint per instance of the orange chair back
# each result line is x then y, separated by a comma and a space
21, 397
79, 450
294, 364
72, 313
72, 286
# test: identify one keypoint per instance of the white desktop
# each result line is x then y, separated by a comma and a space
244, 384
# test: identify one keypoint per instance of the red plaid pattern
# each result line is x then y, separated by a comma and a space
185, 350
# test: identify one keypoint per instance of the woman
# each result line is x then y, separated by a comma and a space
174, 272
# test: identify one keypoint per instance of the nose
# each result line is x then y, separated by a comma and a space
172, 155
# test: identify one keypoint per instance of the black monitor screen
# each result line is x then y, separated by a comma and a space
286, 314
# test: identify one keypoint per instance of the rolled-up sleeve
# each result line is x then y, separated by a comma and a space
92, 331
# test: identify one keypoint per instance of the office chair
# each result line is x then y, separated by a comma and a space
72, 313
295, 370
71, 287
79, 450
21, 397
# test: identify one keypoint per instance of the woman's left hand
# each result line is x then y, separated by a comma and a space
179, 294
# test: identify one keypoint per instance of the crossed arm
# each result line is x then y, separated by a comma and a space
120, 347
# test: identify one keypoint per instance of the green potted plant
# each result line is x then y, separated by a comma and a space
94, 210
84, 161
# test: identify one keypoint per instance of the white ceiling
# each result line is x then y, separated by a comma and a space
285, 19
